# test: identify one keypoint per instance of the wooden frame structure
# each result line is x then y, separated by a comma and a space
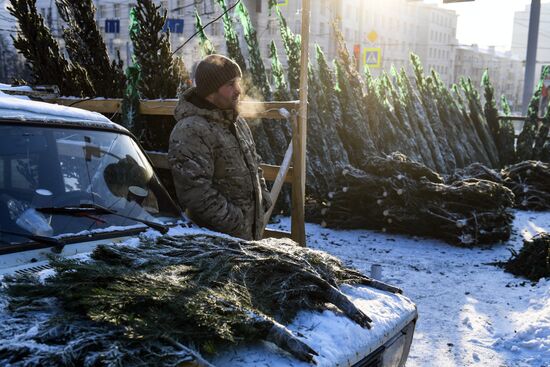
251, 110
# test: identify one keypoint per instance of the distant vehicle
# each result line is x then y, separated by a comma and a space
72, 179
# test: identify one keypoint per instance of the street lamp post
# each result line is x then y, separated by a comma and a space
531, 57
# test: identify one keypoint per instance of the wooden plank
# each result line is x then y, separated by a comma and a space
279, 181
272, 233
160, 160
517, 118
112, 105
271, 171
158, 107
165, 107
513, 118
299, 134
38, 91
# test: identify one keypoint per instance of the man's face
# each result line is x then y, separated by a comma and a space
227, 96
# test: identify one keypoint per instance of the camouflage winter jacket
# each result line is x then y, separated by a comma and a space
216, 169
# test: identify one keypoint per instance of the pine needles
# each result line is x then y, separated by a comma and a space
533, 260
199, 291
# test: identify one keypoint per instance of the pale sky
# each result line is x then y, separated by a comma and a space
487, 22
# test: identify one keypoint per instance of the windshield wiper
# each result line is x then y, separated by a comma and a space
95, 209
44, 239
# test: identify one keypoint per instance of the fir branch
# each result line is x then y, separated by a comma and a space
36, 43
86, 48
231, 38
206, 46
161, 73
256, 67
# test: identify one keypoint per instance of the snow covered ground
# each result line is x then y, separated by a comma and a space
470, 313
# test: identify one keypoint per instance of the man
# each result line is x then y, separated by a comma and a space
213, 157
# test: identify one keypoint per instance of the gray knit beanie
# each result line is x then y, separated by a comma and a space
213, 72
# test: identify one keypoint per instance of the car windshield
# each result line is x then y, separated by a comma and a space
46, 167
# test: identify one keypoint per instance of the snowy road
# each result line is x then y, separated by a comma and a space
470, 313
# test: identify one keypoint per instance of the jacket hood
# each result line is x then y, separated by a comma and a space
191, 104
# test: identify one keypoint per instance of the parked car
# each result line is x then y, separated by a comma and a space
71, 179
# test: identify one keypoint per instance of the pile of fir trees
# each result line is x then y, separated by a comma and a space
533, 260
396, 194
169, 300
528, 180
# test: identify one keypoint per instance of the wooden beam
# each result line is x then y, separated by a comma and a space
166, 107
517, 118
112, 105
37, 91
271, 171
299, 134
279, 181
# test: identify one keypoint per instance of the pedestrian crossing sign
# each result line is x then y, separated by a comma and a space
372, 57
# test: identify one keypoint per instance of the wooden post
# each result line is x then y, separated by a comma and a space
298, 229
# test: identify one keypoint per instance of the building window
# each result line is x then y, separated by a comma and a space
101, 11
116, 10
259, 6
179, 7
208, 6
272, 26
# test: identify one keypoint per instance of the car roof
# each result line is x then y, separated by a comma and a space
22, 108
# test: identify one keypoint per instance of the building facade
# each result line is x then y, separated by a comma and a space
505, 71
380, 34
520, 32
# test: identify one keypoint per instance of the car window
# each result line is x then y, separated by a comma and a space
64, 167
